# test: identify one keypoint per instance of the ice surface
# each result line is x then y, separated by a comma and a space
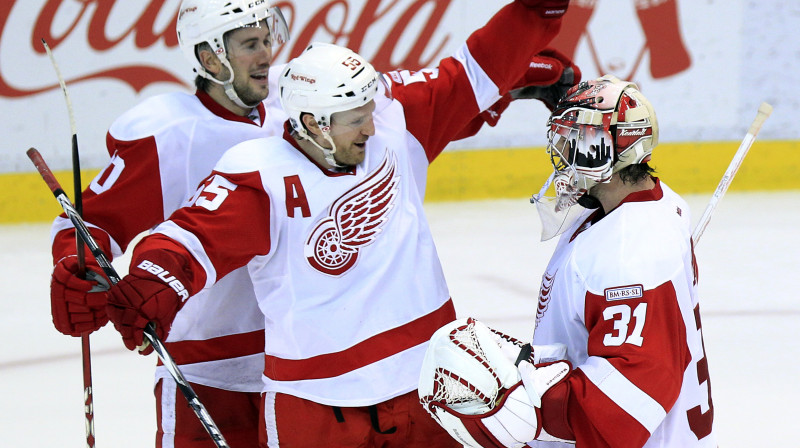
749, 261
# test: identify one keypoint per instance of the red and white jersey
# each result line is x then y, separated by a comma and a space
160, 151
620, 292
343, 263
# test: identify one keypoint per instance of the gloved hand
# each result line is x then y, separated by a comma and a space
149, 293
516, 351
550, 75
549, 9
516, 417
77, 304
538, 379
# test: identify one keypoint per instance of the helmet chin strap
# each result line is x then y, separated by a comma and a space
227, 85
231, 93
327, 152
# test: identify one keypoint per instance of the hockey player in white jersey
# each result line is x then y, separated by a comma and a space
621, 287
160, 150
619, 291
328, 219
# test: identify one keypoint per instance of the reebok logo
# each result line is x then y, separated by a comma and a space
163, 275
541, 65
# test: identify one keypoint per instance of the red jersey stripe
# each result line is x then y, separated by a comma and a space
215, 349
364, 353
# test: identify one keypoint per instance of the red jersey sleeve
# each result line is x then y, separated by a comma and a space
123, 200
637, 355
213, 232
440, 104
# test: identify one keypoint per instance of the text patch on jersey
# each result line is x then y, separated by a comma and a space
624, 293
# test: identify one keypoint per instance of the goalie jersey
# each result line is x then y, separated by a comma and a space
620, 291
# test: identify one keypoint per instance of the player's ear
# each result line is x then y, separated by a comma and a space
210, 61
310, 124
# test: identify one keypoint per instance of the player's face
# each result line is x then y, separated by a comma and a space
350, 131
250, 54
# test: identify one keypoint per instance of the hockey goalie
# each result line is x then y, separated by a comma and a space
485, 388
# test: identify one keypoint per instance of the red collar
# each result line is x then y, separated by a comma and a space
653, 194
221, 112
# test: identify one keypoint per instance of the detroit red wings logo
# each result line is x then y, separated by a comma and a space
544, 295
354, 221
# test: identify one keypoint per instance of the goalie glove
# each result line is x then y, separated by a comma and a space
471, 387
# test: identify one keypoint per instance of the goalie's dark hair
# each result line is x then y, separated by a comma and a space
635, 173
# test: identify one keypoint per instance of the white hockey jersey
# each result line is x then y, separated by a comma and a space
160, 151
343, 263
621, 293
347, 275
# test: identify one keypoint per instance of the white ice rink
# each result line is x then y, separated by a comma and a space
749, 261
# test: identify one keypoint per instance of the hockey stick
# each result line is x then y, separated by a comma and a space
149, 332
764, 110
86, 357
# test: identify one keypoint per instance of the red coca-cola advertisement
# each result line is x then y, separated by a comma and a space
405, 34
112, 53
116, 35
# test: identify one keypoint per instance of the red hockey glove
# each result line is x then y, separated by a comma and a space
550, 75
549, 9
78, 305
153, 291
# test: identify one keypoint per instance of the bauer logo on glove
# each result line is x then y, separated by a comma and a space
165, 277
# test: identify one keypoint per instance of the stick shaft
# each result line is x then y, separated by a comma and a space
764, 111
149, 331
76, 164
86, 357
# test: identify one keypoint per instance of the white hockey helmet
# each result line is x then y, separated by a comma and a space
207, 21
323, 80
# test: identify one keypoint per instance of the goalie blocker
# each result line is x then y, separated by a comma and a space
485, 388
